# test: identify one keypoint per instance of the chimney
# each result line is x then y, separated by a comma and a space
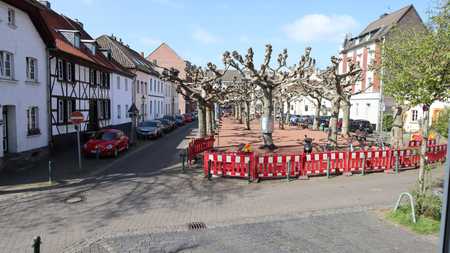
384, 15
46, 4
143, 54
79, 23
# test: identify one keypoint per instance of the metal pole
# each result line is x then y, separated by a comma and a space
79, 147
396, 162
288, 171
328, 166
248, 172
444, 239
363, 164
50, 172
37, 244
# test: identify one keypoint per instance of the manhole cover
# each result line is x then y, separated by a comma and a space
196, 225
73, 200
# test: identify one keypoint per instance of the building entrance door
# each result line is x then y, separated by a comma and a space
5, 129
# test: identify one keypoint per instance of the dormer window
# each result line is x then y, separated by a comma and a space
90, 44
11, 17
76, 40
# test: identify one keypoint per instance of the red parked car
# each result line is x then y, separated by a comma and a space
107, 142
187, 117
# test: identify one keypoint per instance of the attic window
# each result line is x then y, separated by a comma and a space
11, 17
90, 44
76, 40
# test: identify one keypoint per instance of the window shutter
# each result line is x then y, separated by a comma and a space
64, 70
65, 110
73, 72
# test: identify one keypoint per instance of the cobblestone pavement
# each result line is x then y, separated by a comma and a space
353, 231
146, 192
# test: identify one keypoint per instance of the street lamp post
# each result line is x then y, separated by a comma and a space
143, 107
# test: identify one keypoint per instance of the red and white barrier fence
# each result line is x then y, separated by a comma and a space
198, 146
253, 166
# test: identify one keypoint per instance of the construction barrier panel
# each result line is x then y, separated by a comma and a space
414, 143
197, 146
275, 166
266, 166
230, 164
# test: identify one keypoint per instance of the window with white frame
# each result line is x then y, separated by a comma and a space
76, 40
151, 82
137, 87
60, 110
118, 82
150, 111
414, 115
126, 84
31, 69
33, 120
126, 111
60, 69
119, 112
6, 65
69, 71
11, 17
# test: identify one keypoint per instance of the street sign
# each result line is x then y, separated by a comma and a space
76, 118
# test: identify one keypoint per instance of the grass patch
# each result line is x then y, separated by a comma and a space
424, 225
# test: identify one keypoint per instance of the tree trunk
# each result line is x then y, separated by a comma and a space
423, 150
240, 112
332, 136
235, 112
281, 110
247, 112
288, 112
345, 131
316, 123
213, 118
201, 120
267, 119
209, 129
397, 127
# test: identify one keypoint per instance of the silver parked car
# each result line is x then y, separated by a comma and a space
149, 129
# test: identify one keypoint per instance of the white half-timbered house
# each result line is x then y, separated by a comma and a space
79, 78
23, 79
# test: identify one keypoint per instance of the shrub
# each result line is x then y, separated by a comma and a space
388, 120
440, 125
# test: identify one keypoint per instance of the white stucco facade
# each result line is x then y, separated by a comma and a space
304, 105
157, 100
121, 98
141, 93
18, 93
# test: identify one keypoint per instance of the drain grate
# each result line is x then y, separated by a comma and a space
196, 226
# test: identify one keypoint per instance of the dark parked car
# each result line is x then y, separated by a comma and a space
106, 142
167, 125
171, 120
361, 125
325, 121
179, 121
149, 129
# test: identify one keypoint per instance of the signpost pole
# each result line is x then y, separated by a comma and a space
78, 146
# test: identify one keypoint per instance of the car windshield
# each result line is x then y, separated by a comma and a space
148, 124
105, 136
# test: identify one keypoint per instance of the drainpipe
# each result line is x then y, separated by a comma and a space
49, 101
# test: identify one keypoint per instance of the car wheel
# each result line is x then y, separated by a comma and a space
116, 152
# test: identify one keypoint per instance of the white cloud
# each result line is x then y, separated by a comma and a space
149, 41
319, 27
204, 36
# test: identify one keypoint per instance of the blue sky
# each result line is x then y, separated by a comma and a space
201, 30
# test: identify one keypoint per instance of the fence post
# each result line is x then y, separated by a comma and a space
288, 171
249, 177
37, 244
396, 162
363, 172
183, 159
328, 166
209, 169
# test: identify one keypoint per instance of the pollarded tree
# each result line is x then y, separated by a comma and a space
200, 85
242, 91
415, 69
267, 79
338, 85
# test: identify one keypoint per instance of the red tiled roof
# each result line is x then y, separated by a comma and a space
56, 22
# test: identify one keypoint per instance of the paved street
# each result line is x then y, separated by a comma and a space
145, 192
341, 232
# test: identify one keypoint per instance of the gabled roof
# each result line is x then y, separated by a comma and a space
386, 20
49, 24
165, 46
126, 56
377, 29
